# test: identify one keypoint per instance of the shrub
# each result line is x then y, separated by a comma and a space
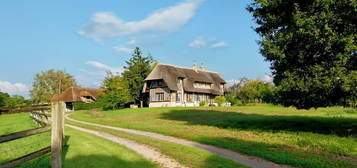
233, 100
220, 100
203, 103
87, 106
211, 105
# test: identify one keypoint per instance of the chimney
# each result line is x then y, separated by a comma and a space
194, 67
202, 68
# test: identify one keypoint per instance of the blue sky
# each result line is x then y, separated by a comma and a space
88, 38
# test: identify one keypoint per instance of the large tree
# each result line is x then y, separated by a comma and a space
48, 83
312, 48
137, 69
116, 92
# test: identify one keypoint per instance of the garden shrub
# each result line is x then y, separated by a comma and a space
220, 100
203, 103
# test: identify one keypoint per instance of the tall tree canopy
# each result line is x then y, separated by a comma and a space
48, 83
312, 48
116, 92
137, 69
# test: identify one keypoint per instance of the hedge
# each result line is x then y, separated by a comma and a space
87, 106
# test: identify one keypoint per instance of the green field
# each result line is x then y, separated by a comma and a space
187, 156
10, 123
324, 137
82, 149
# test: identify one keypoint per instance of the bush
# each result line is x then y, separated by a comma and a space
203, 103
220, 100
87, 106
233, 100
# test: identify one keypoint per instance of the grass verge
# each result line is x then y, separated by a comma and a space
187, 156
324, 137
84, 150
10, 123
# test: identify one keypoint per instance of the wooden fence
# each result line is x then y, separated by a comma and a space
21, 109
57, 135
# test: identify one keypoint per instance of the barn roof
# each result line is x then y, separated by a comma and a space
171, 73
74, 94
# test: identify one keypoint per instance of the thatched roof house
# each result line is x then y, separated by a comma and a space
77, 94
170, 85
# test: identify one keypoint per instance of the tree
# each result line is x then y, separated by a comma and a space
311, 46
3, 99
15, 101
137, 69
251, 91
48, 83
116, 92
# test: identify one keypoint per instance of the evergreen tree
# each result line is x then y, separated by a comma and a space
137, 69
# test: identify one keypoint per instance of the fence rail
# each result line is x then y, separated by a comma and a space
33, 155
24, 109
23, 134
57, 128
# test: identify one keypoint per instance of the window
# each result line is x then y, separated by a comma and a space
202, 85
159, 96
178, 97
155, 84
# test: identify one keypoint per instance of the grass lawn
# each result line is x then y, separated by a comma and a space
84, 150
324, 137
187, 156
10, 123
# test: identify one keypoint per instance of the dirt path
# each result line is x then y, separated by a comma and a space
144, 150
251, 161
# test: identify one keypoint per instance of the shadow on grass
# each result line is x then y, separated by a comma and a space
280, 154
85, 161
88, 161
95, 161
339, 126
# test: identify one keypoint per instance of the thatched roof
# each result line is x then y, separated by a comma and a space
74, 94
171, 73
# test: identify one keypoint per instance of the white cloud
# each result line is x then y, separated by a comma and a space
14, 88
232, 82
219, 44
93, 78
268, 78
200, 42
122, 49
132, 42
103, 67
107, 25
197, 43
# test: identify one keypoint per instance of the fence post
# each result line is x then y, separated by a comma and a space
57, 134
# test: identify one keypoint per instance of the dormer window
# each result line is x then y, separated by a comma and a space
202, 85
156, 84
221, 86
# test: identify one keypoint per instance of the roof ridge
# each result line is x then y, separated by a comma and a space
159, 63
